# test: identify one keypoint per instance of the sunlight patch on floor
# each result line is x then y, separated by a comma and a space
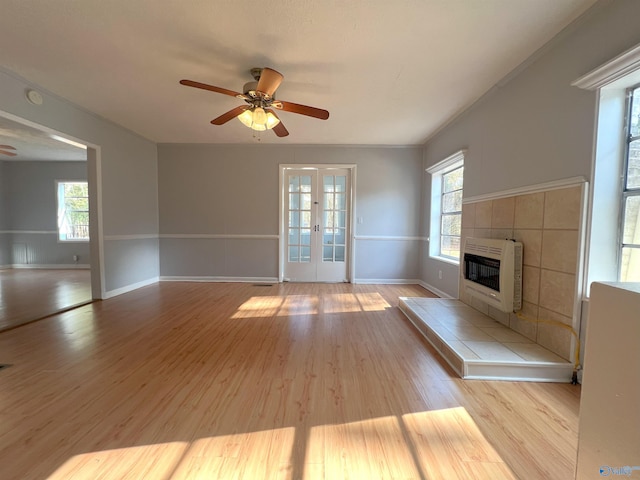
371, 449
299, 305
148, 461
352, 303
341, 303
449, 442
294, 305
278, 306
372, 302
267, 306
432, 444
261, 454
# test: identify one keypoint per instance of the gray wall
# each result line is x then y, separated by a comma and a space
232, 190
534, 127
126, 181
30, 205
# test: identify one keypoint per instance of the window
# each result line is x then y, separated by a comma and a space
630, 228
613, 240
73, 211
446, 207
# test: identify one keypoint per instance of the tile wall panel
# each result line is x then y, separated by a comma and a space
547, 223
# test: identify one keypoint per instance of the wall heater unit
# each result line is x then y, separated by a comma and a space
492, 272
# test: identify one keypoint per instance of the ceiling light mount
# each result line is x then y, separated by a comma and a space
256, 72
34, 97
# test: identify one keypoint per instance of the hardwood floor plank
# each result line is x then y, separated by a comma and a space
290, 381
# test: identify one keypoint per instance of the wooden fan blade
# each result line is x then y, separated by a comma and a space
211, 88
280, 130
269, 81
301, 109
231, 114
7, 147
11, 154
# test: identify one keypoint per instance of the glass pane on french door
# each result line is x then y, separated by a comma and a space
299, 218
334, 215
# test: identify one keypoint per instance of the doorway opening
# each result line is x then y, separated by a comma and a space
47, 265
316, 241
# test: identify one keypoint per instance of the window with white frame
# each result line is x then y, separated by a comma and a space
446, 207
614, 231
630, 228
73, 211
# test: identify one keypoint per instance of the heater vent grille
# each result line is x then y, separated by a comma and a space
483, 248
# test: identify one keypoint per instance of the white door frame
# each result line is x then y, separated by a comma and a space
282, 234
94, 181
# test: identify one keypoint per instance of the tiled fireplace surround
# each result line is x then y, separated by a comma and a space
548, 225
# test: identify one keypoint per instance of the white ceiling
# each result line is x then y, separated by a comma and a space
389, 72
33, 144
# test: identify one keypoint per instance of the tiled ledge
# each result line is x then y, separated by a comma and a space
478, 347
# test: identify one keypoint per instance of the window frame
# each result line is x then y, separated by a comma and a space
626, 191
610, 82
58, 184
437, 172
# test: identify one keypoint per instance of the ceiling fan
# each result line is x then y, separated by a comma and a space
258, 114
5, 150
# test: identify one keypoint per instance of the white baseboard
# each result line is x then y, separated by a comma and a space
433, 289
219, 279
52, 266
129, 288
386, 281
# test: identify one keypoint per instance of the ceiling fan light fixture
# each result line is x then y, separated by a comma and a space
246, 118
272, 120
259, 120
260, 117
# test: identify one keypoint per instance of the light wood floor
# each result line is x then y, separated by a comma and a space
291, 381
29, 294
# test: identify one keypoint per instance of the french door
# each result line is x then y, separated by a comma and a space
316, 224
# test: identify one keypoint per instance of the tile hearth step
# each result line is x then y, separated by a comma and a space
478, 347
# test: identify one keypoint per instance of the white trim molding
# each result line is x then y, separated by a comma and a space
129, 288
30, 232
140, 236
607, 73
216, 236
435, 290
447, 162
386, 281
399, 238
51, 266
219, 279
540, 187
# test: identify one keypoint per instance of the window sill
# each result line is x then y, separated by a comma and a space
450, 261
